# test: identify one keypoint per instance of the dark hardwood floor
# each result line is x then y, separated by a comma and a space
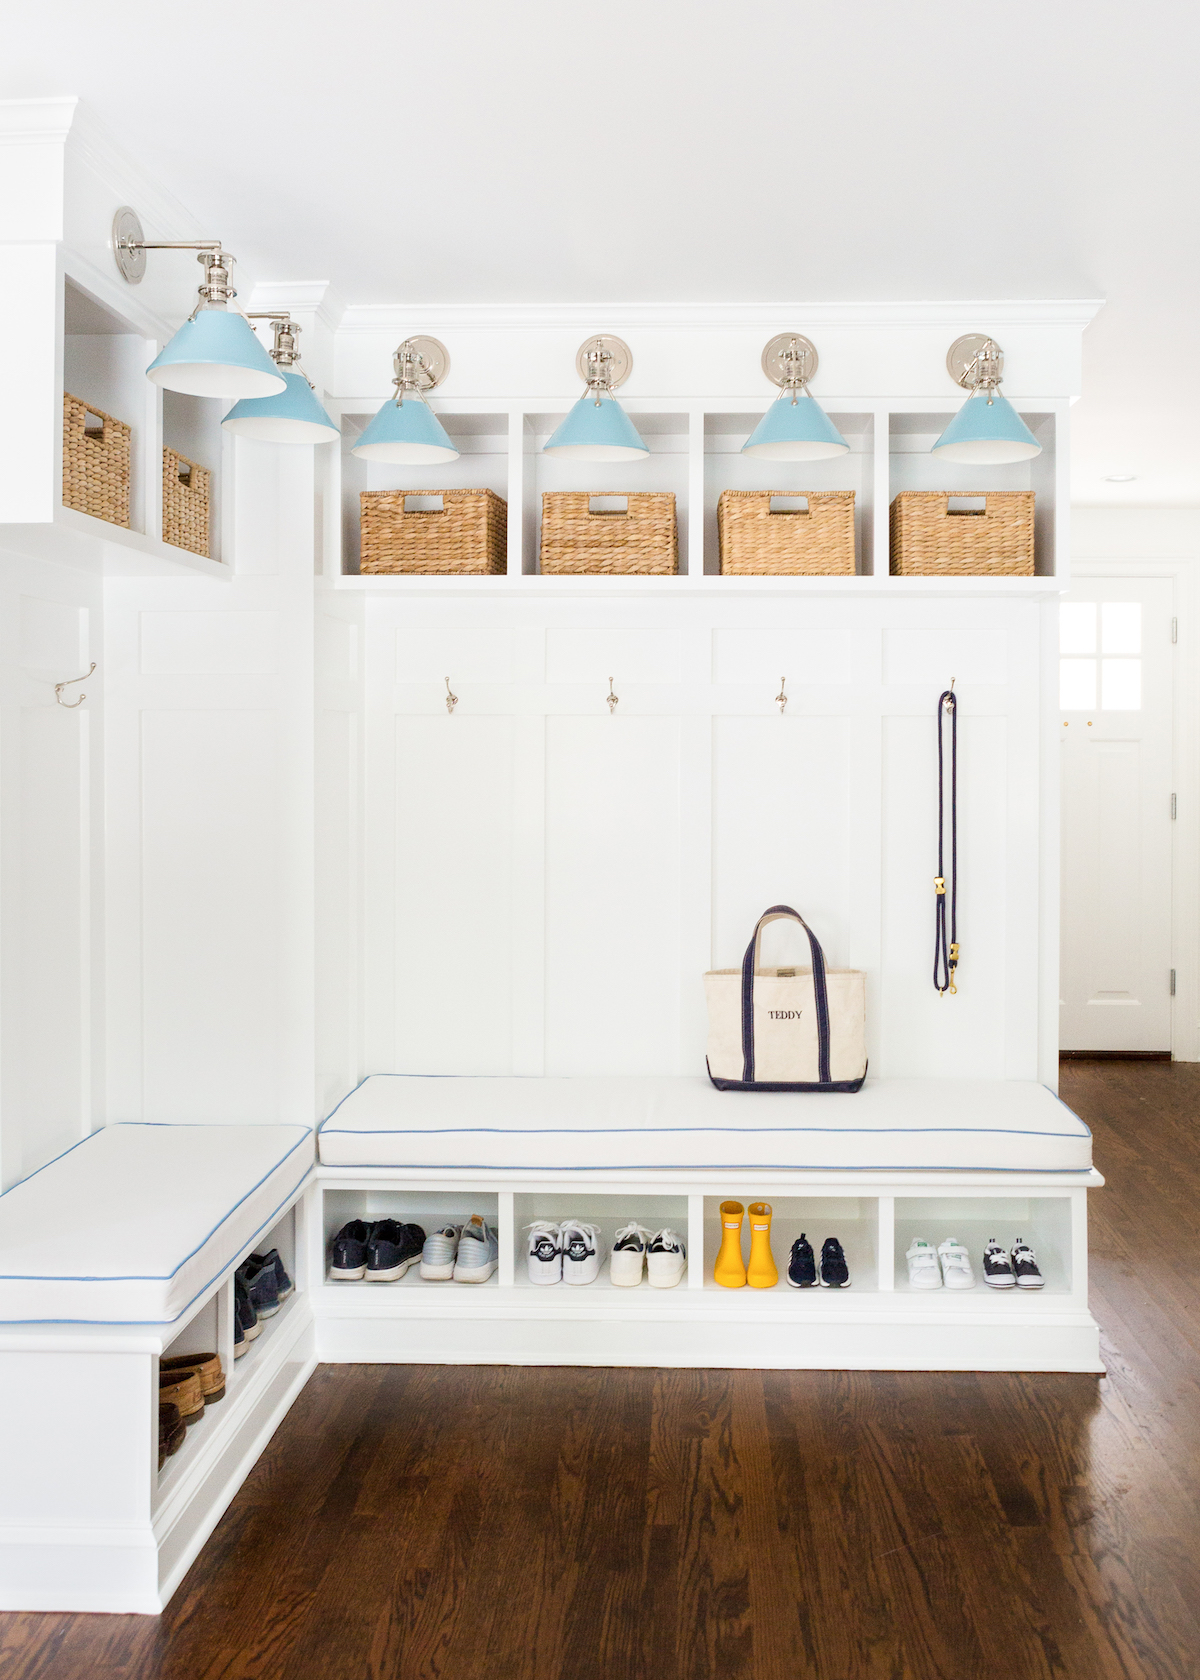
489, 1523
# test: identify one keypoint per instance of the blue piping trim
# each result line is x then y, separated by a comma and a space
321, 1124
138, 1277
668, 1166
1069, 1110
253, 1237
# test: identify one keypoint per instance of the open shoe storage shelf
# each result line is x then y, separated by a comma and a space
879, 1322
695, 454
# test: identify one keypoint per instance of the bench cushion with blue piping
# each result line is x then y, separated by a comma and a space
132, 1224
664, 1123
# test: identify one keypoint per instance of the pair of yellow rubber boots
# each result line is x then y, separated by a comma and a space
730, 1270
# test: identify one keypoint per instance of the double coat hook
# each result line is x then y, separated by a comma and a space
451, 698
68, 682
614, 700
781, 698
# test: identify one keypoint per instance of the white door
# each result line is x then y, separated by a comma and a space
1115, 733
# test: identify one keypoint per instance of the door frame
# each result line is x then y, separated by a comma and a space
1185, 782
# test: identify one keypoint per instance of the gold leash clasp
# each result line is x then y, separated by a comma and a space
939, 882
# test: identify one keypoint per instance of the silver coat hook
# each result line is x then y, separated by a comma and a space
451, 698
72, 705
613, 699
781, 698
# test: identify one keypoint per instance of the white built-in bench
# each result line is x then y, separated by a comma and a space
118, 1251
125, 1247
901, 1158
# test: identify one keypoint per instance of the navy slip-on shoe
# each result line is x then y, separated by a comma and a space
348, 1255
274, 1260
261, 1287
393, 1249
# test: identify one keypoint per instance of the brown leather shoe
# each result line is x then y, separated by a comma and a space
182, 1389
206, 1366
171, 1430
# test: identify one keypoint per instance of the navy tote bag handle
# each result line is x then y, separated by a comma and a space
783, 912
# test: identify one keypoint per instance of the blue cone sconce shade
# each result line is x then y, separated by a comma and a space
216, 354
987, 431
407, 432
795, 428
294, 416
597, 429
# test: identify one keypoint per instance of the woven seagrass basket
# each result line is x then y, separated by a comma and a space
817, 541
929, 538
591, 535
184, 503
466, 531
95, 462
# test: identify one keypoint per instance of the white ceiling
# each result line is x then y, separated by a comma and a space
690, 150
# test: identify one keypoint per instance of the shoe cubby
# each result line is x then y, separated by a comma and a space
609, 1211
853, 1220
1045, 1222
429, 1209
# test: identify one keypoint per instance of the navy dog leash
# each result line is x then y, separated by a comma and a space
945, 958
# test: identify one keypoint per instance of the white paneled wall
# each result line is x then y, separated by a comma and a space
546, 880
210, 779
51, 843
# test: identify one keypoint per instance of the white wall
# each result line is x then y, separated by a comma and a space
52, 857
546, 883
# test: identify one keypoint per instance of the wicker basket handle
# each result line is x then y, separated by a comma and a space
434, 502
608, 512
793, 511
979, 512
96, 431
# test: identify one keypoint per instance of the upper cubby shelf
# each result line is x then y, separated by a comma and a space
695, 454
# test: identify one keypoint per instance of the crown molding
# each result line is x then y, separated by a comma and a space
163, 215
36, 121
317, 296
949, 315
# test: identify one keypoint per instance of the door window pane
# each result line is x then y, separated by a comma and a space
1077, 627
1122, 684
1077, 684
1121, 627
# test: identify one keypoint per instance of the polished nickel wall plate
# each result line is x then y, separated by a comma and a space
790, 358
127, 236
434, 360
962, 354
620, 362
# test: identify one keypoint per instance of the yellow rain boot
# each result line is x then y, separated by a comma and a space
761, 1272
729, 1269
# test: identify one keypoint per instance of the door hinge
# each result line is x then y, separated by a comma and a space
1174, 808
1172, 982
1174, 629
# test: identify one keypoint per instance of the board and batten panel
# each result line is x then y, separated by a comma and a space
612, 904
211, 910
452, 863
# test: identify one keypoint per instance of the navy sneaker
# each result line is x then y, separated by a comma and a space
348, 1259
261, 1287
245, 1320
393, 1249
802, 1267
273, 1259
835, 1274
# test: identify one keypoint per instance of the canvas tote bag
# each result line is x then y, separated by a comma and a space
786, 1029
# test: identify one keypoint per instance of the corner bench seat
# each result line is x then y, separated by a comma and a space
663, 1123
133, 1223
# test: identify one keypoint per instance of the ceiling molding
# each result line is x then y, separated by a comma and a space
585, 318
25, 121
162, 214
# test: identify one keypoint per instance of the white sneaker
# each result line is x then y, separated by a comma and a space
923, 1269
544, 1253
437, 1257
666, 1259
583, 1251
628, 1253
957, 1271
478, 1252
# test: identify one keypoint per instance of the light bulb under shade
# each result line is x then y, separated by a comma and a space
795, 431
293, 417
216, 355
987, 434
597, 430
407, 434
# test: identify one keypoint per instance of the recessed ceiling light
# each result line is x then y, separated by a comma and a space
1119, 478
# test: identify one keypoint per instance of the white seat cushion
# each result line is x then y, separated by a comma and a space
132, 1224
594, 1124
